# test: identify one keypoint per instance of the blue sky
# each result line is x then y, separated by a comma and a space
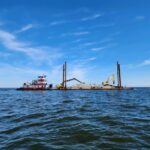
37, 36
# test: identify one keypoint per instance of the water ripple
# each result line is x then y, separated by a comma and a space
74, 120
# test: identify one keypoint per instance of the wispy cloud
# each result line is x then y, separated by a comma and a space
104, 47
98, 48
14, 76
92, 58
55, 23
97, 42
77, 41
142, 64
81, 33
106, 40
25, 28
88, 43
78, 72
75, 33
95, 16
140, 18
11, 42
75, 70
145, 63
79, 68
96, 27
83, 61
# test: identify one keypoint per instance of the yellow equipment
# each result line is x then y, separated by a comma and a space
59, 86
107, 82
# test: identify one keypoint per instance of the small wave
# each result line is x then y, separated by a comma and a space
67, 101
109, 120
30, 116
22, 127
68, 118
122, 139
82, 136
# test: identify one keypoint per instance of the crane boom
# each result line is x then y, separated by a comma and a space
73, 79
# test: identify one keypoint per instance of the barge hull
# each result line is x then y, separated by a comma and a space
75, 89
94, 89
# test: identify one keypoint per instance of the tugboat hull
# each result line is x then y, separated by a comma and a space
31, 89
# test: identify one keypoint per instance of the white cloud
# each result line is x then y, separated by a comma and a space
78, 73
139, 18
88, 43
142, 64
81, 33
25, 28
91, 17
11, 42
77, 41
98, 48
54, 23
92, 58
75, 33
15, 76
82, 62
106, 40
97, 26
98, 42
145, 63
80, 70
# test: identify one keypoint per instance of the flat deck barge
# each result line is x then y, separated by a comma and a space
93, 89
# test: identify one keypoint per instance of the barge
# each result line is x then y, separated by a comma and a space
41, 83
109, 84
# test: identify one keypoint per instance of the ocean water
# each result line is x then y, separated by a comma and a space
74, 120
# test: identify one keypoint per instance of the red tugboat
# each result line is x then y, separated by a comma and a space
38, 84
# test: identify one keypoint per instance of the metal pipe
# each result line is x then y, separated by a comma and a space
65, 84
119, 75
63, 75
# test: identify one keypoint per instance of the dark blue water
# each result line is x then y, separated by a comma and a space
72, 120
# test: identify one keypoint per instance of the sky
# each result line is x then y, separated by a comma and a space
37, 36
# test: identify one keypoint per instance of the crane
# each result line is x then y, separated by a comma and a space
111, 78
75, 80
60, 86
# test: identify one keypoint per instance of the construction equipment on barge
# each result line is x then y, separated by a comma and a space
83, 86
63, 85
109, 84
